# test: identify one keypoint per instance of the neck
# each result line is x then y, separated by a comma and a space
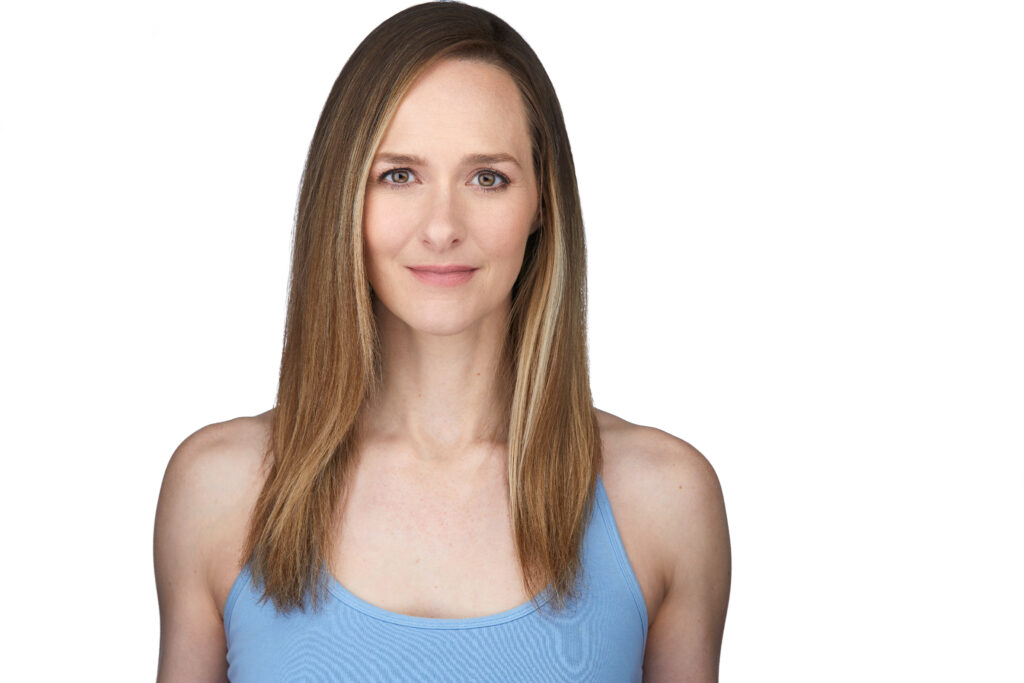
443, 399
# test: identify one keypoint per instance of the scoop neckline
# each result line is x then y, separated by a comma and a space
348, 597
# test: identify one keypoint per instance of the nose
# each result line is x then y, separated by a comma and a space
443, 227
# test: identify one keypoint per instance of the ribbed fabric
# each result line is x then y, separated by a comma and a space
600, 637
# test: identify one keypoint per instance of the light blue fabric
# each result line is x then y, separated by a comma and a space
600, 637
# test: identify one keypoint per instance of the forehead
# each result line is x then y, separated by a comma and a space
460, 103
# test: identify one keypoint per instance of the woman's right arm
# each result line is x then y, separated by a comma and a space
208, 489
192, 644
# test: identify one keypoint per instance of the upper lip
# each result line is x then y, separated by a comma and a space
451, 268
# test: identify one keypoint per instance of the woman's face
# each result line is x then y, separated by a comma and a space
452, 184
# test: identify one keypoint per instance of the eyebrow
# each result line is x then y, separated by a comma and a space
391, 158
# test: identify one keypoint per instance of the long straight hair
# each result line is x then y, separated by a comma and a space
331, 360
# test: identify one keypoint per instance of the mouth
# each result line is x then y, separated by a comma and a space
445, 276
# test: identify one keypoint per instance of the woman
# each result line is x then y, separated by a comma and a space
431, 497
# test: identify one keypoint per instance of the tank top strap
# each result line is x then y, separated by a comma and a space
604, 510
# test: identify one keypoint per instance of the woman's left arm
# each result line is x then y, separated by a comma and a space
685, 641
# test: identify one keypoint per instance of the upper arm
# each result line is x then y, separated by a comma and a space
684, 644
192, 642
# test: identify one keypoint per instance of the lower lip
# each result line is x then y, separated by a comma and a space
444, 279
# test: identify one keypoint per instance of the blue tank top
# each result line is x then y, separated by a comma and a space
599, 637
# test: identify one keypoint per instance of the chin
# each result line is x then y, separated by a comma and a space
441, 319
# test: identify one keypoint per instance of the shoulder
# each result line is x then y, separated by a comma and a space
660, 463
686, 530
215, 467
209, 487
206, 496
681, 495
234, 447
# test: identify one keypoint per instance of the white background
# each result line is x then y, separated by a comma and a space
804, 226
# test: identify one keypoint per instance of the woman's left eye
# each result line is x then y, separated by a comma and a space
491, 180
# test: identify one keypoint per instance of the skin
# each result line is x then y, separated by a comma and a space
440, 344
429, 448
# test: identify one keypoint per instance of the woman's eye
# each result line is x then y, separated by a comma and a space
490, 179
398, 176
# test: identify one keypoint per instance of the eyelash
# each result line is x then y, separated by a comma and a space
505, 182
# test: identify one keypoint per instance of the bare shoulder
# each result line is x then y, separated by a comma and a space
216, 467
668, 470
686, 533
650, 444
209, 488
223, 455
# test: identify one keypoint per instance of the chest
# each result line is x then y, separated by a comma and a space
425, 550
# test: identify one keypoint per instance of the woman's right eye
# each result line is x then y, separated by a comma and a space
398, 176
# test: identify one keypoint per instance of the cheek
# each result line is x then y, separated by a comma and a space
505, 240
381, 228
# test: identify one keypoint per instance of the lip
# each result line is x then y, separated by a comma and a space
446, 276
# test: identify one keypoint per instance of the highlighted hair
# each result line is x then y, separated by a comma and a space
331, 360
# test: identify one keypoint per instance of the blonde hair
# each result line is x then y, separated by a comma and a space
331, 363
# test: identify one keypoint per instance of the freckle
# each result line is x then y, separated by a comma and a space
680, 487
